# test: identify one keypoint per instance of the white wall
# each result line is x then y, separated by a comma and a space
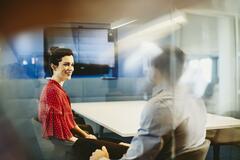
227, 71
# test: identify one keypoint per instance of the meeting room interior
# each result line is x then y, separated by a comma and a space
113, 43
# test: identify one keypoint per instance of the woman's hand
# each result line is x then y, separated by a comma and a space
72, 139
100, 154
83, 133
90, 136
124, 144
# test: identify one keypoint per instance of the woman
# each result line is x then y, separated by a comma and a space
55, 112
172, 121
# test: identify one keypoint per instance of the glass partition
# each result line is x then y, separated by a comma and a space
209, 41
208, 32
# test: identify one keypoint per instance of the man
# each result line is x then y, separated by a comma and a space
172, 120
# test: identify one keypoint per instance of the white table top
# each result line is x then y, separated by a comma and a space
221, 122
123, 117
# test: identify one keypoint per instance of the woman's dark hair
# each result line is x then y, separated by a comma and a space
170, 62
56, 55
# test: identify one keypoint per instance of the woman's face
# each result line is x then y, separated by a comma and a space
64, 69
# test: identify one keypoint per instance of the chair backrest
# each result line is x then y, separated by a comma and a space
46, 146
51, 148
197, 153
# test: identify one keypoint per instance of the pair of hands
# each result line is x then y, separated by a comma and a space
100, 154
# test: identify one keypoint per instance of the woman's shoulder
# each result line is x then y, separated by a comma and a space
51, 88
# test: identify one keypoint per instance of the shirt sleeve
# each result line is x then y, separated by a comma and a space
56, 121
155, 122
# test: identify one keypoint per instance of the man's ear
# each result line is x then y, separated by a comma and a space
157, 75
53, 67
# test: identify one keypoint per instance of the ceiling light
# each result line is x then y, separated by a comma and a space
121, 23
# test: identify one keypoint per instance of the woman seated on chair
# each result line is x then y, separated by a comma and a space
55, 112
172, 121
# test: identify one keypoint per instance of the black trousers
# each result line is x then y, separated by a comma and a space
82, 149
61, 149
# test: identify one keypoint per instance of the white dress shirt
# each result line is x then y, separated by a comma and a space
171, 122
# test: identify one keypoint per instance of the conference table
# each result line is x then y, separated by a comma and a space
123, 117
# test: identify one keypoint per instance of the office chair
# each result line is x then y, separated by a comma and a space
51, 149
197, 153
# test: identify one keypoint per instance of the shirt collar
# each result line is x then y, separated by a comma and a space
157, 89
56, 83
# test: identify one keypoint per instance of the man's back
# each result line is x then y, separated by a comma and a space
188, 122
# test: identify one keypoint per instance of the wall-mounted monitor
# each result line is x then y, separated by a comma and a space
93, 46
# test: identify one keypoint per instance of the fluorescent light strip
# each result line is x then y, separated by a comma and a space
123, 24
155, 29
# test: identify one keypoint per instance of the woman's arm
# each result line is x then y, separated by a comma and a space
82, 132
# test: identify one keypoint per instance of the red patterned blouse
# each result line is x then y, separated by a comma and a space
55, 112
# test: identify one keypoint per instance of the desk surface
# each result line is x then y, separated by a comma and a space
123, 117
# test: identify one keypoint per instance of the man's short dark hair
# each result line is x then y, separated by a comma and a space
170, 62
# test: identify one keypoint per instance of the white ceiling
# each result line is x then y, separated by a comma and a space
108, 11
16, 15
224, 6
